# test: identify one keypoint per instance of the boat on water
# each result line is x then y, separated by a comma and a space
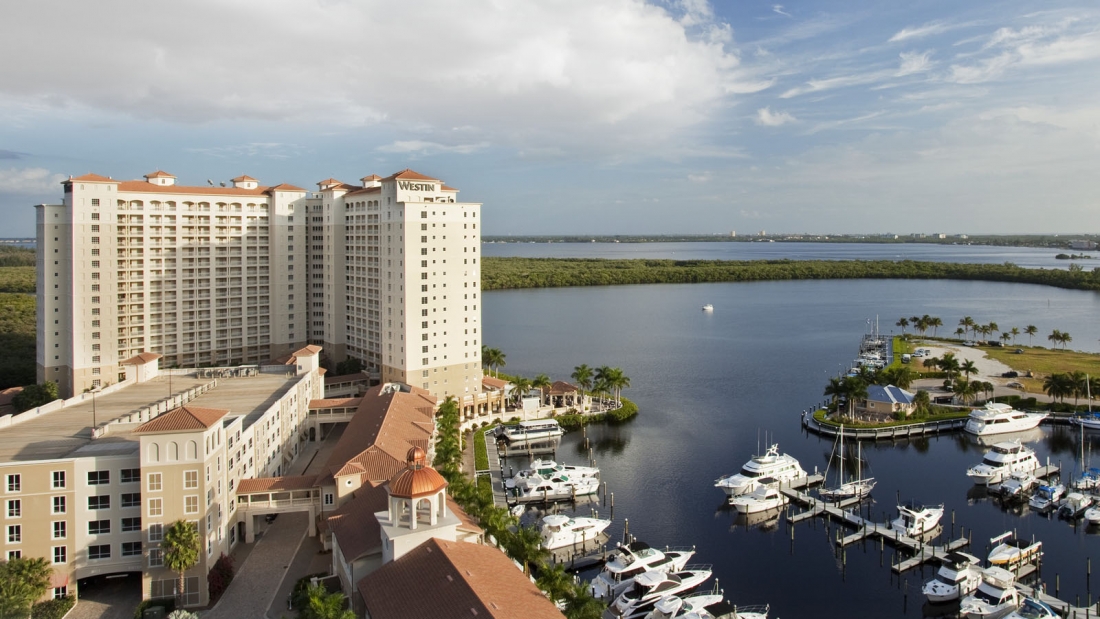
559, 531
998, 418
995, 597
851, 489
1010, 552
782, 468
958, 576
1074, 505
1032, 608
548, 468
704, 606
1088, 480
649, 587
708, 308
1089, 421
1019, 486
629, 560
915, 519
1092, 514
1002, 460
1046, 497
526, 432
766, 497
557, 487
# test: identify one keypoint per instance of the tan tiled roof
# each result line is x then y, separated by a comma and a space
408, 174
346, 378
141, 359
466, 523
356, 529
91, 178
286, 187
334, 403
560, 387
307, 351
453, 579
275, 484
446, 188
147, 187
182, 419
242, 178
159, 174
372, 177
380, 434
495, 383
364, 190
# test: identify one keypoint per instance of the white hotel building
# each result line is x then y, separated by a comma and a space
386, 272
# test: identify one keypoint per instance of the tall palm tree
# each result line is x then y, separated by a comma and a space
856, 389
618, 381
935, 323
922, 400
181, 547
966, 322
1078, 385
993, 327
1031, 331
902, 322
1058, 386
960, 332
1055, 337
949, 364
900, 376
964, 390
520, 387
1015, 331
1005, 336
542, 383
968, 368
834, 389
581, 605
583, 375
492, 357
601, 384
525, 546
1065, 339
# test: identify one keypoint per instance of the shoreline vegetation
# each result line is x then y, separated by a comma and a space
1052, 241
516, 273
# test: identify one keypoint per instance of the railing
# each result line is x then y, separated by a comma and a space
889, 432
274, 503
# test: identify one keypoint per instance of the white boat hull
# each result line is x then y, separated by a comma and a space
584, 530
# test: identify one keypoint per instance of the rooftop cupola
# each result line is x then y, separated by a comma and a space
161, 178
245, 182
372, 181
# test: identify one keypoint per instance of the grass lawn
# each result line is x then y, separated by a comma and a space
941, 416
1044, 361
481, 455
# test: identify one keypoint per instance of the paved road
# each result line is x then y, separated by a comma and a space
108, 598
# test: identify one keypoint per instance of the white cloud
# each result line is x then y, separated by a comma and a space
271, 150
420, 147
767, 118
1041, 45
699, 178
29, 181
912, 62
918, 32
591, 73
843, 81
778, 8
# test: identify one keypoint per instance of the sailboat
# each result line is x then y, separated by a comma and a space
855, 489
1090, 419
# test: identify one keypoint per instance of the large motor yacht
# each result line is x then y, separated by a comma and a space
548, 468
526, 432
915, 519
632, 559
995, 597
649, 587
559, 531
559, 486
1001, 461
782, 468
958, 576
998, 418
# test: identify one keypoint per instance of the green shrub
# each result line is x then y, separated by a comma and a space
53, 609
168, 604
624, 412
299, 596
481, 454
219, 577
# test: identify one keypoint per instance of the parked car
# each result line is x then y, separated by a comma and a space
1019, 351
1015, 385
1010, 374
970, 343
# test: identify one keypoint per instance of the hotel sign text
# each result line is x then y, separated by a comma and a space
407, 186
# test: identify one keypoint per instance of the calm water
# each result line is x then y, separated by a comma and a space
709, 385
1022, 256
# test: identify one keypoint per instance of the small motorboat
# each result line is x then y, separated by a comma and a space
1074, 505
559, 531
677, 607
629, 560
548, 468
708, 308
558, 487
1032, 608
1011, 552
649, 587
1019, 485
995, 597
766, 497
1092, 514
1089, 480
915, 519
959, 575
1046, 497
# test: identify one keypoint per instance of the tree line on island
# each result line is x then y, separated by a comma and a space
600, 382
968, 327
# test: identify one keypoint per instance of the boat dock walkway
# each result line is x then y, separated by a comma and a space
496, 470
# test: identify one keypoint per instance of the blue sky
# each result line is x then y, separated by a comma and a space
579, 116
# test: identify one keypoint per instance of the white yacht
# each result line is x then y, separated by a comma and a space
704, 606
995, 597
1001, 461
708, 308
530, 431
1089, 421
649, 587
998, 418
1089, 480
915, 519
1074, 505
632, 559
559, 486
1092, 514
765, 497
1011, 552
782, 468
1032, 608
559, 531
958, 576
1018, 486
1046, 497
547, 468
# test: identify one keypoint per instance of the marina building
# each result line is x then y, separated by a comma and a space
386, 271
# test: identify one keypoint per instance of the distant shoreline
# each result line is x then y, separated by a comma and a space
1042, 241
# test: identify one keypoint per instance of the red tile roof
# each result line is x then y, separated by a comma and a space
276, 484
356, 529
408, 174
372, 177
147, 187
91, 178
364, 190
159, 174
446, 188
141, 359
242, 178
453, 579
495, 383
308, 351
183, 419
560, 387
335, 403
286, 187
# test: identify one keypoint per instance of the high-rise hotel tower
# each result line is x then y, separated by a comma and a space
385, 272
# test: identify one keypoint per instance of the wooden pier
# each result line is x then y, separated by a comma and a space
909, 430
496, 470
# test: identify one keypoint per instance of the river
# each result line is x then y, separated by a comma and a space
714, 388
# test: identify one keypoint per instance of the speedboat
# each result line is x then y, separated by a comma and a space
1012, 552
998, 418
559, 486
1046, 497
649, 587
1074, 505
1018, 485
526, 432
782, 468
1033, 609
559, 531
958, 576
677, 607
547, 468
1089, 480
708, 308
995, 597
915, 519
764, 498
632, 559
1092, 514
1001, 461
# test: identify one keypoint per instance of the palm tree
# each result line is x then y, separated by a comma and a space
1078, 385
950, 365
583, 375
922, 400
555, 582
1058, 386
581, 605
1055, 337
899, 376
520, 387
964, 390
968, 368
1065, 339
325, 605
617, 381
1005, 336
983, 329
492, 357
834, 389
1031, 331
987, 388
960, 332
601, 384
935, 323
966, 322
1015, 331
902, 322
542, 383
181, 547
993, 327
855, 388
525, 546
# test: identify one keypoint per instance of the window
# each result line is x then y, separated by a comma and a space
156, 557
156, 507
58, 479
154, 482
131, 549
156, 532
98, 478
60, 529
328, 498
15, 533
190, 479
102, 551
60, 554
99, 502
59, 505
15, 508
15, 483
191, 504
99, 527
131, 524
15, 554
130, 476
131, 499
62, 592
